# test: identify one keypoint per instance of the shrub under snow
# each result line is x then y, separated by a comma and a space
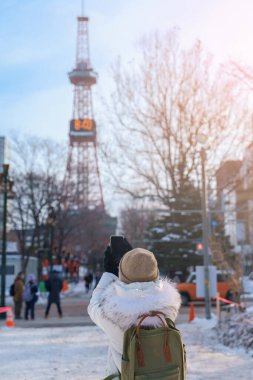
237, 330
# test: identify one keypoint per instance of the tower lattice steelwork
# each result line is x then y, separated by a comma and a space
83, 188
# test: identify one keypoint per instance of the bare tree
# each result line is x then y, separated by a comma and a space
26, 214
159, 107
39, 170
242, 72
135, 221
37, 173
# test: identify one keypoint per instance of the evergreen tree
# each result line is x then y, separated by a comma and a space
174, 237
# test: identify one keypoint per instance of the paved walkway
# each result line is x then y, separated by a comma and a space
75, 314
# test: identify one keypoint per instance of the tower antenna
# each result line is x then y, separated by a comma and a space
83, 7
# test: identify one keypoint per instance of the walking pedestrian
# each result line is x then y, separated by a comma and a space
88, 278
54, 286
76, 271
18, 294
30, 296
128, 295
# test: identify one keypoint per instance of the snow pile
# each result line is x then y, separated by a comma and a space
237, 331
75, 290
200, 331
248, 287
205, 324
207, 358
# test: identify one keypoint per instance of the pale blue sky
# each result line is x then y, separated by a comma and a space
37, 48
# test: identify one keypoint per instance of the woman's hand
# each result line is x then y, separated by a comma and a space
110, 264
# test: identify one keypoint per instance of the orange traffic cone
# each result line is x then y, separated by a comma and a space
191, 313
9, 319
65, 286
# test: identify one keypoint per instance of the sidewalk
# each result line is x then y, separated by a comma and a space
55, 322
74, 314
74, 307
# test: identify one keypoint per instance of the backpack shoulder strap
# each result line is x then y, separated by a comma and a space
166, 350
171, 324
114, 376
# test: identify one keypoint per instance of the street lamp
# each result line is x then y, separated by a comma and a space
201, 139
6, 186
51, 219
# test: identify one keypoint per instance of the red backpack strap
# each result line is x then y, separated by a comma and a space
166, 349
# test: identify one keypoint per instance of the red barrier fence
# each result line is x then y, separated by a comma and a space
239, 305
5, 309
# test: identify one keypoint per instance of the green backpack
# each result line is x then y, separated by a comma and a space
153, 353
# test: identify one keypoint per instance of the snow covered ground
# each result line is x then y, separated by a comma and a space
79, 353
52, 353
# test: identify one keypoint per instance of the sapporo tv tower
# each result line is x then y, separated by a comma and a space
83, 188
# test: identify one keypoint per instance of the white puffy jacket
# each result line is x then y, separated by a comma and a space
116, 306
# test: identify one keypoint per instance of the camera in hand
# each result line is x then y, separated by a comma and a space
119, 246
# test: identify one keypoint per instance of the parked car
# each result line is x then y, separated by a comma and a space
187, 289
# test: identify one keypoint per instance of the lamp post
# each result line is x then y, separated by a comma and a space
205, 235
6, 186
51, 219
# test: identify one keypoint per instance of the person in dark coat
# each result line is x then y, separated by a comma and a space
88, 281
30, 296
54, 286
18, 294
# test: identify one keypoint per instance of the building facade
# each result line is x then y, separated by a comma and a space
13, 264
235, 204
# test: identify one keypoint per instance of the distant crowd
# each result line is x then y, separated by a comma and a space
67, 264
27, 293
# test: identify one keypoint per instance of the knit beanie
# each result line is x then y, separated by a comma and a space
31, 277
138, 265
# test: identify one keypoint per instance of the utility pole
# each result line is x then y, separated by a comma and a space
3, 271
205, 235
6, 189
51, 219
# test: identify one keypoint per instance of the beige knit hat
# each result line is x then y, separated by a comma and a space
138, 265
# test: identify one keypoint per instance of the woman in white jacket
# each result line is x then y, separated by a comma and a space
118, 302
